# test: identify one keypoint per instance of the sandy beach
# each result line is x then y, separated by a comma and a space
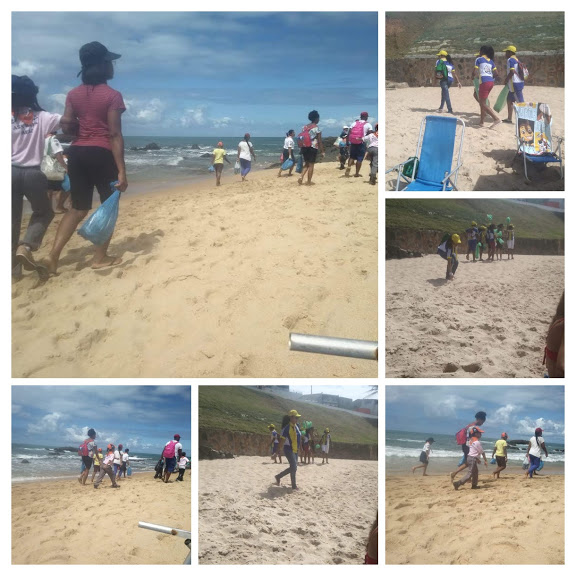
490, 321
487, 153
212, 282
509, 521
245, 519
62, 522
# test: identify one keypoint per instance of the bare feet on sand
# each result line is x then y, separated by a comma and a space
106, 261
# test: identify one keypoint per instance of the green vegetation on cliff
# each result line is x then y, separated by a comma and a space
414, 33
443, 215
242, 409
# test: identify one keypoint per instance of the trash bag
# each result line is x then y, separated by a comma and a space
493, 461
99, 228
540, 466
237, 167
211, 169
288, 164
129, 471
66, 183
299, 165
526, 463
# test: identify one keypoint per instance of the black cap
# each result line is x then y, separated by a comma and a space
24, 86
94, 52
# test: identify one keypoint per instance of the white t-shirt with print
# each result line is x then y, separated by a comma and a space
29, 130
245, 150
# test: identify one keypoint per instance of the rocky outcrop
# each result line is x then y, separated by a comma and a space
151, 146
194, 147
24, 462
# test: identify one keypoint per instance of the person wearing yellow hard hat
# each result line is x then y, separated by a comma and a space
325, 443
290, 440
515, 80
472, 237
452, 256
275, 442
446, 73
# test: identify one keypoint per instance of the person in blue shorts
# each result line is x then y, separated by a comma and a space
514, 79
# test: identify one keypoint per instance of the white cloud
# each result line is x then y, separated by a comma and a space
145, 112
528, 425
222, 122
48, 423
25, 68
193, 117
58, 102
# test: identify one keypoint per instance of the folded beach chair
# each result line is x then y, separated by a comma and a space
534, 136
431, 170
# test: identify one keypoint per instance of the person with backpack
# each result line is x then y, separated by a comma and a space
355, 138
475, 450
86, 451
445, 72
486, 71
171, 454
448, 250
462, 437
514, 79
245, 155
30, 124
534, 451
310, 143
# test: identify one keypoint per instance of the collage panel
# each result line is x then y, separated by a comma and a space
475, 288
476, 101
101, 473
475, 475
288, 474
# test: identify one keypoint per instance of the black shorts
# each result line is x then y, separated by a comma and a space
285, 154
423, 458
309, 154
357, 152
465, 449
501, 461
87, 462
89, 167
55, 185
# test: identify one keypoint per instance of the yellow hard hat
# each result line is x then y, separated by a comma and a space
456, 239
474, 223
511, 49
326, 430
294, 413
442, 53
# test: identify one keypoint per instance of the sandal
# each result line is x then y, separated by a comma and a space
24, 257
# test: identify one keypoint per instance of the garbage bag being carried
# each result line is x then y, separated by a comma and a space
288, 163
99, 228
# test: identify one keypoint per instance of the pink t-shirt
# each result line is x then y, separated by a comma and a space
29, 130
90, 105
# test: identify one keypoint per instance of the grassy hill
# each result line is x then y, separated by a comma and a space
414, 33
241, 409
529, 222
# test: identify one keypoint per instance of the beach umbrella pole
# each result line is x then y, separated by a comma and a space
173, 532
364, 349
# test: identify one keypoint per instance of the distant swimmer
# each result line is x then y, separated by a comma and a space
424, 456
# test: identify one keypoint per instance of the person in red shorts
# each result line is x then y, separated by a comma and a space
486, 71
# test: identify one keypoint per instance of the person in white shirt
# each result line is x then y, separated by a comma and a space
125, 462
182, 463
536, 447
118, 460
424, 456
371, 143
288, 152
472, 460
171, 454
106, 468
245, 155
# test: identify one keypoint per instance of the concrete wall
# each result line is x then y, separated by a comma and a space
545, 70
251, 444
427, 241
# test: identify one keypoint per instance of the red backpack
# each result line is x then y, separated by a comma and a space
462, 436
83, 449
357, 133
170, 449
304, 140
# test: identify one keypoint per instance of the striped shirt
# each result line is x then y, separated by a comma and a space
90, 104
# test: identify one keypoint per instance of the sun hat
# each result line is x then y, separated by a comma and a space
294, 413
456, 239
430, 440
442, 53
95, 52
24, 86
345, 127
510, 49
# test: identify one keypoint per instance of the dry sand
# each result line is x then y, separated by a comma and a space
490, 321
245, 519
212, 282
487, 153
508, 521
62, 522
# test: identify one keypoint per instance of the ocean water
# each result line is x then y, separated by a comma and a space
403, 450
45, 463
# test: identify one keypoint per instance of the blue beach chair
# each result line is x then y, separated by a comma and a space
432, 167
534, 137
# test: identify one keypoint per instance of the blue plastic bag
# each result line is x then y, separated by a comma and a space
211, 169
540, 466
129, 471
99, 228
66, 183
493, 461
299, 164
288, 163
462, 460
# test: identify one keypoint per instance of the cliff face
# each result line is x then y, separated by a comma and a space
399, 240
252, 444
545, 69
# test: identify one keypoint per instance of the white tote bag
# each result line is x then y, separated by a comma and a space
50, 166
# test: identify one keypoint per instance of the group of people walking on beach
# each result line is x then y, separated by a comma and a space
485, 74
116, 462
297, 438
469, 438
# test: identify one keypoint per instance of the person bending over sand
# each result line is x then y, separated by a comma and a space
424, 457
472, 460
500, 452
449, 251
464, 435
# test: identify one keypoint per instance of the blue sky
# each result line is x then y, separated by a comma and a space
355, 392
204, 74
517, 410
143, 418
